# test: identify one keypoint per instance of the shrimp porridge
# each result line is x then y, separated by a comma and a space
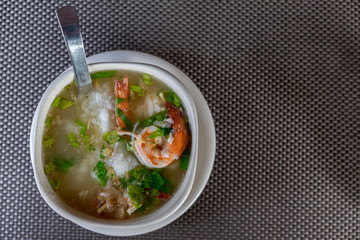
119, 151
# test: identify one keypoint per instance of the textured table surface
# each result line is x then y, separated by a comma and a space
281, 79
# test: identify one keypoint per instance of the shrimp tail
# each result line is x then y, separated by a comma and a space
179, 135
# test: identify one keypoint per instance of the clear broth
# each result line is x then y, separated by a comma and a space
78, 187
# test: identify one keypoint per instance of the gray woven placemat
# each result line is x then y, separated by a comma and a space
281, 79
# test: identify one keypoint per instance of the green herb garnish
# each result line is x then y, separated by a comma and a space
64, 104
49, 168
102, 152
167, 187
48, 141
104, 74
56, 102
85, 138
128, 146
67, 87
124, 118
158, 180
141, 93
101, 173
55, 186
160, 116
111, 137
89, 147
172, 97
135, 88
175, 99
73, 140
137, 196
184, 160
141, 210
145, 186
63, 164
48, 122
83, 127
119, 100
147, 79
160, 132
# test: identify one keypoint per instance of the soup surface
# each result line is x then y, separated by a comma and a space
120, 150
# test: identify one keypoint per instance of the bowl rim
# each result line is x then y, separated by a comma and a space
66, 211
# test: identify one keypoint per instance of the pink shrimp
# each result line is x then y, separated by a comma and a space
158, 154
122, 91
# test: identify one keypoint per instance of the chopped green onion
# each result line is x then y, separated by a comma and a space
56, 102
49, 168
64, 104
141, 93
160, 116
147, 79
160, 132
124, 118
104, 74
48, 122
102, 152
169, 96
73, 140
75, 83
184, 160
85, 138
121, 77
128, 146
67, 87
135, 88
101, 173
111, 137
53, 185
119, 100
89, 147
83, 127
175, 99
63, 164
48, 141
78, 122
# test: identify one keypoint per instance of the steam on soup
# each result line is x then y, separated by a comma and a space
120, 150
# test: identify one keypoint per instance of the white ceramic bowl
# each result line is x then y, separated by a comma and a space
124, 227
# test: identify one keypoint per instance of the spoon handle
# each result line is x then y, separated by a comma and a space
69, 24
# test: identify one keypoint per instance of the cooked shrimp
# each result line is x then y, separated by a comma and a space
122, 91
159, 152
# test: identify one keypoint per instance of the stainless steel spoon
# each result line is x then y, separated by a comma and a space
69, 24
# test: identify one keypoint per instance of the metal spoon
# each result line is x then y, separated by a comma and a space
69, 24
